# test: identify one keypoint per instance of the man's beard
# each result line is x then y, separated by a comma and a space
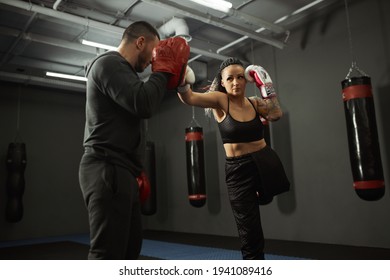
141, 63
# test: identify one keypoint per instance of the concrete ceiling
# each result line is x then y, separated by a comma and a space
45, 35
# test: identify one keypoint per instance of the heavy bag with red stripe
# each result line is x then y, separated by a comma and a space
363, 140
149, 206
15, 184
195, 166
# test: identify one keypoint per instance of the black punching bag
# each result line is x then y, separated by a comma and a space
363, 138
149, 207
195, 166
15, 184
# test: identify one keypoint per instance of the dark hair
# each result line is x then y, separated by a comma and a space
140, 28
216, 84
218, 78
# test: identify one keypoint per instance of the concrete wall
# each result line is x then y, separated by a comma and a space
51, 125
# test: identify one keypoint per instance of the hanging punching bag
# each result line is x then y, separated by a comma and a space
149, 206
363, 138
15, 184
195, 166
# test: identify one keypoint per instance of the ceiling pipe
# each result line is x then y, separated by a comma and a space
235, 42
56, 4
19, 37
249, 19
64, 16
212, 20
78, 20
277, 21
231, 44
90, 23
209, 54
37, 38
177, 26
238, 7
194, 58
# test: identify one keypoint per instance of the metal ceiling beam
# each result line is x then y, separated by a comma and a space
64, 16
85, 22
32, 80
249, 19
212, 20
37, 38
19, 37
208, 54
40, 67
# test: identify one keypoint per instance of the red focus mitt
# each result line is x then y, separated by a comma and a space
171, 56
144, 187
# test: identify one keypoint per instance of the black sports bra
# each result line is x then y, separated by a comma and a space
233, 131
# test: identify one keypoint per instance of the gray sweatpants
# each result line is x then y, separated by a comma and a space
111, 196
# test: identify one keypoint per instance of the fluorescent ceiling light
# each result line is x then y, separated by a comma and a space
66, 76
281, 19
300, 10
306, 7
98, 45
219, 5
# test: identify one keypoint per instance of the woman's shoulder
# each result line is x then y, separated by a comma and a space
256, 101
254, 98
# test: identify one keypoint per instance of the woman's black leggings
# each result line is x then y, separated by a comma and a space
243, 181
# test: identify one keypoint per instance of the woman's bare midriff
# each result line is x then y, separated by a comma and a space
239, 149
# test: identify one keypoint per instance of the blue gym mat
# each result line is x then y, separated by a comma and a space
158, 249
78, 238
176, 251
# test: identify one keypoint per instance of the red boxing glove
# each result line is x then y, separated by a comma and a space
171, 56
144, 187
257, 74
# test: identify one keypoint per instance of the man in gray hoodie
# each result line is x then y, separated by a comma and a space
117, 101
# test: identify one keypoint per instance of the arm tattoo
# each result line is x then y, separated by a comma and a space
269, 108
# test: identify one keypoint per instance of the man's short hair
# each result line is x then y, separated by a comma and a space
138, 29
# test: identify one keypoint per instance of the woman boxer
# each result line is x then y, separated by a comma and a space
254, 172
